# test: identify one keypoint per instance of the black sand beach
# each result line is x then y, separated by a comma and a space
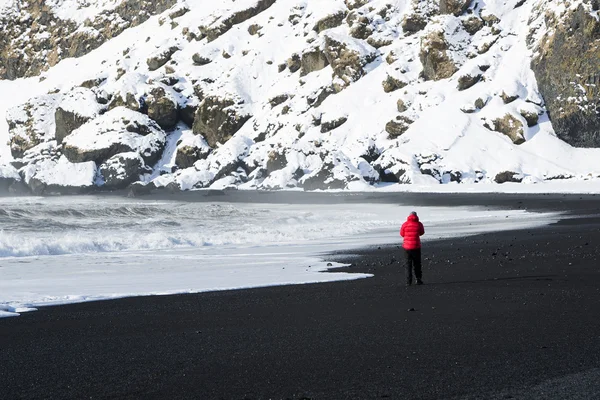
510, 315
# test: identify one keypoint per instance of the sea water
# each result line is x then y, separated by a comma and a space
71, 249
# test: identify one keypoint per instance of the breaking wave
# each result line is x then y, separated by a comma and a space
74, 226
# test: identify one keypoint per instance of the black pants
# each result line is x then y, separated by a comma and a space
413, 260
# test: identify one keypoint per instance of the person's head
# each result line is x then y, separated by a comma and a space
413, 216
413, 213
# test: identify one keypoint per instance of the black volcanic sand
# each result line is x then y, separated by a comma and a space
511, 315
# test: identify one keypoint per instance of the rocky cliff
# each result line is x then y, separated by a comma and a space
267, 94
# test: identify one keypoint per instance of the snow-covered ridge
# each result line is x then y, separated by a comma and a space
266, 94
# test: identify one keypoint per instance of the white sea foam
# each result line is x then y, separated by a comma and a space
65, 250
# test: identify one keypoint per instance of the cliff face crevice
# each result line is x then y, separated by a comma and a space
34, 38
567, 68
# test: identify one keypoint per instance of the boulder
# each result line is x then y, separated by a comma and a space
392, 84
137, 189
437, 64
347, 57
161, 58
294, 63
509, 126
361, 29
117, 131
508, 98
313, 60
121, 170
31, 123
455, 7
324, 179
327, 126
354, 4
398, 127
162, 108
75, 109
190, 148
413, 23
508, 176
200, 60
472, 25
277, 100
330, 21
401, 105
228, 21
531, 117
566, 67
276, 160
467, 81
8, 178
217, 119
50, 177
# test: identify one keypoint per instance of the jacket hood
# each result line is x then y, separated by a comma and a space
412, 217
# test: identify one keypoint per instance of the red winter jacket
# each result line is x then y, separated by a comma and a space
410, 231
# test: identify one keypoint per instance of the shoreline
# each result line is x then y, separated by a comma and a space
501, 314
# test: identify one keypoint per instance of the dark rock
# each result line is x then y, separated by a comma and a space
507, 99
66, 123
473, 25
294, 63
180, 12
160, 59
467, 81
511, 127
137, 189
187, 156
277, 100
187, 114
254, 29
320, 96
361, 29
480, 103
437, 64
328, 126
323, 180
276, 161
398, 127
401, 105
313, 60
456, 7
218, 120
566, 68
532, 118
121, 170
18, 188
330, 21
392, 84
200, 60
413, 23
347, 63
354, 4
508, 176
223, 25
162, 109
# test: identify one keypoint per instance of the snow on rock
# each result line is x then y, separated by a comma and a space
60, 177
344, 94
118, 131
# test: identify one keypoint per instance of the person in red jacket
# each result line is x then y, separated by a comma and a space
411, 231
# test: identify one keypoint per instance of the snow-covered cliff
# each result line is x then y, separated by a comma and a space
314, 94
